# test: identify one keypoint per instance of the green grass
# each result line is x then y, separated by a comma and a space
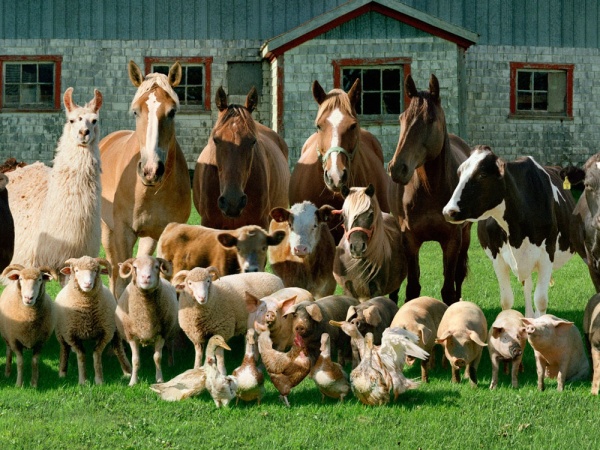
61, 414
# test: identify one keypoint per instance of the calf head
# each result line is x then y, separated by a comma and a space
31, 281
304, 221
251, 244
480, 190
196, 282
146, 271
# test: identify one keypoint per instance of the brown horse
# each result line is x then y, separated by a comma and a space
424, 170
242, 173
145, 179
339, 154
369, 259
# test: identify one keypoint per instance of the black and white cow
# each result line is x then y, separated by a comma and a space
587, 212
524, 220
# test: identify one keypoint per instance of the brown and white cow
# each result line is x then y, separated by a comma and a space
523, 214
305, 258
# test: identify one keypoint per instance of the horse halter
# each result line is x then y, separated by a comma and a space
328, 153
348, 233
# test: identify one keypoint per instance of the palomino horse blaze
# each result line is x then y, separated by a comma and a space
339, 154
242, 173
145, 179
424, 170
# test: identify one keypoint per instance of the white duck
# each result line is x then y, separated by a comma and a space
222, 387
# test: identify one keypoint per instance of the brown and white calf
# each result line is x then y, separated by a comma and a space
524, 220
305, 258
236, 251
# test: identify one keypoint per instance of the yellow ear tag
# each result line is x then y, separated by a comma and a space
566, 184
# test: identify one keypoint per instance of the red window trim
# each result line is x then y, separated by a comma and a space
207, 61
338, 64
36, 58
515, 66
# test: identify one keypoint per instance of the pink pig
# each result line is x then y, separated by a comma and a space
506, 343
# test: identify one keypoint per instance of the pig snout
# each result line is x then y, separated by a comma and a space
530, 329
300, 329
515, 351
270, 317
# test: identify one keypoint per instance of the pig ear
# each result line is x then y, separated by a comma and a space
288, 306
425, 332
372, 315
527, 322
443, 337
252, 302
562, 324
315, 312
351, 313
496, 331
475, 338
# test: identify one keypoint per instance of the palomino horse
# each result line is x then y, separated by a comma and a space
242, 173
145, 179
424, 170
369, 259
339, 154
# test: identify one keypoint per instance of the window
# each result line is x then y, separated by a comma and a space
194, 88
30, 83
541, 90
382, 81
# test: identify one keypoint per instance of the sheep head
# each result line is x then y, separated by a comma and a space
85, 272
196, 282
145, 271
31, 281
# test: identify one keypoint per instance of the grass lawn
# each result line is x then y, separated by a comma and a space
61, 414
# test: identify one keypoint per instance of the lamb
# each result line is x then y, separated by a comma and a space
86, 311
241, 250
26, 316
210, 305
67, 197
147, 309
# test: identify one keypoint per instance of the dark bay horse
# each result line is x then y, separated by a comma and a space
340, 153
242, 173
424, 173
145, 179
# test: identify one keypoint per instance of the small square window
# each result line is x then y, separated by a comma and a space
30, 84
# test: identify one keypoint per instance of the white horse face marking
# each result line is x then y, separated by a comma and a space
335, 119
151, 152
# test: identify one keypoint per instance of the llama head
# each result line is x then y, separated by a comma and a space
82, 121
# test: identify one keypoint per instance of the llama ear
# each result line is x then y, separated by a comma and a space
410, 87
221, 99
318, 92
175, 74
135, 74
96, 102
251, 99
68, 100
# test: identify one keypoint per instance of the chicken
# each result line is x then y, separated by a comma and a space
356, 339
222, 387
250, 379
189, 383
370, 384
286, 370
329, 376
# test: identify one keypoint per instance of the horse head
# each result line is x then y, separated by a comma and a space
235, 138
154, 106
361, 216
338, 133
422, 131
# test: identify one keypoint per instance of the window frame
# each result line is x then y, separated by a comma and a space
56, 59
206, 61
541, 67
365, 63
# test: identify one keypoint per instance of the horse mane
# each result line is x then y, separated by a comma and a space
233, 111
336, 98
151, 82
379, 249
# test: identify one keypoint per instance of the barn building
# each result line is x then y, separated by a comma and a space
518, 76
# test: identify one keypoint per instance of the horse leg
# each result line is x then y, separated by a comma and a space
146, 246
118, 245
451, 249
413, 288
462, 265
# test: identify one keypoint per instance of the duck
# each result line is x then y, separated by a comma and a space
329, 376
188, 384
250, 379
222, 387
286, 369
370, 385
357, 341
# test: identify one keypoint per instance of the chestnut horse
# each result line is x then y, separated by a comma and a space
369, 260
339, 154
424, 171
145, 178
242, 173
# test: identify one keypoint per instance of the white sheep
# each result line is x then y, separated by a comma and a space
86, 311
210, 305
147, 309
67, 196
26, 316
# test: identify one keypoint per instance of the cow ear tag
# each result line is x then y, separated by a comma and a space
567, 184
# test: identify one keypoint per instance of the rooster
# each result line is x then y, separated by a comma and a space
286, 370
